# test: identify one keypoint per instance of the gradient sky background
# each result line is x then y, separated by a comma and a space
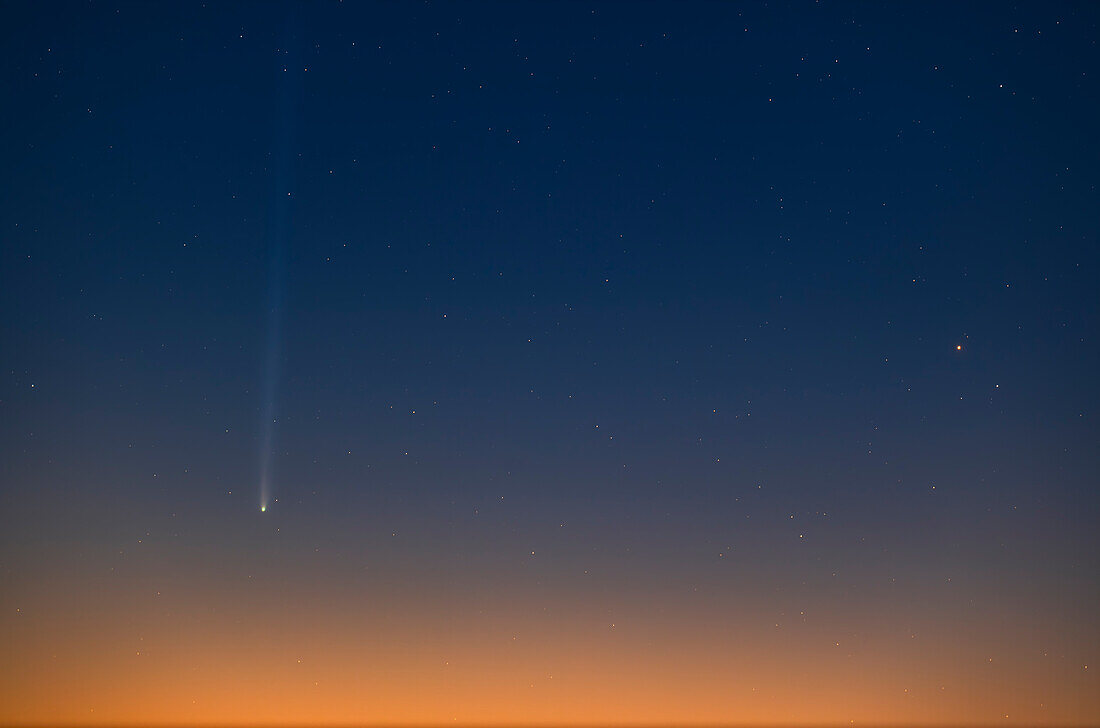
624, 363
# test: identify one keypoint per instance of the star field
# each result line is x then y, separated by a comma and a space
480, 363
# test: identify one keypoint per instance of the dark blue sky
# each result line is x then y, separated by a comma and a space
687, 276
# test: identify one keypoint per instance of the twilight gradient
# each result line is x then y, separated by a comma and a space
648, 363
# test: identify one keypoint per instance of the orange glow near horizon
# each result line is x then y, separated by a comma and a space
216, 659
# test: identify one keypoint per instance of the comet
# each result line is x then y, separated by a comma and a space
289, 83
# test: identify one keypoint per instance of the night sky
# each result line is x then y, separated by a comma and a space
549, 364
